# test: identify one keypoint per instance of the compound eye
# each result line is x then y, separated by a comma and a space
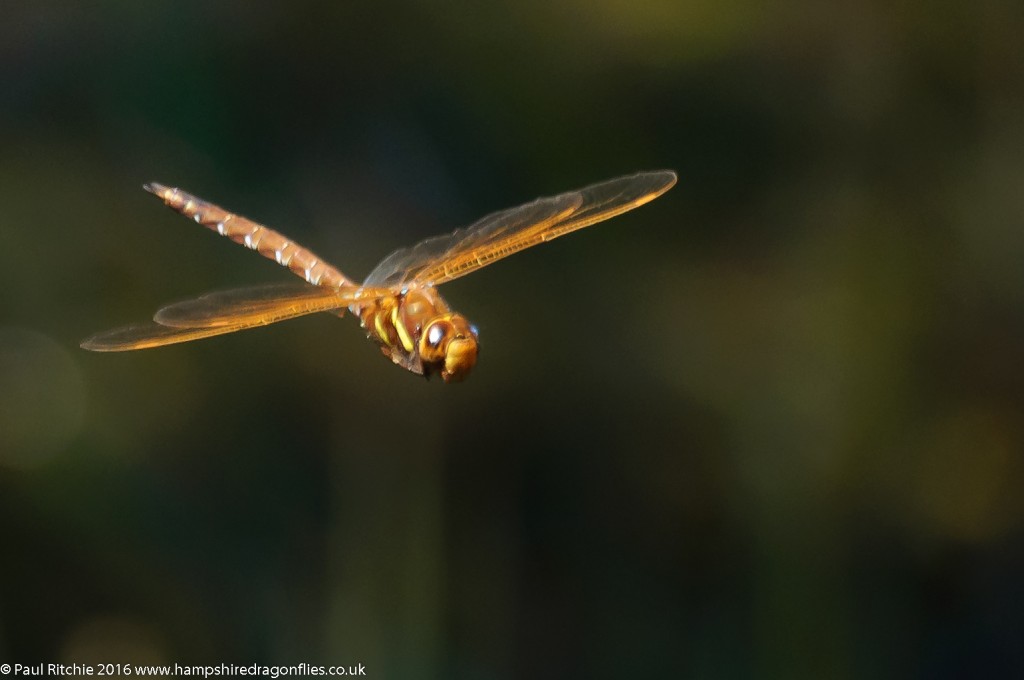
435, 334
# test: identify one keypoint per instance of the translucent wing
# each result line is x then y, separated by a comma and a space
444, 258
260, 304
146, 335
226, 312
407, 264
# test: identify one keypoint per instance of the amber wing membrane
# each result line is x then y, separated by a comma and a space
256, 303
225, 312
147, 335
445, 258
405, 265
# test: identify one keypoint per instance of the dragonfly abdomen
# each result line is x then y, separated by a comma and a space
267, 242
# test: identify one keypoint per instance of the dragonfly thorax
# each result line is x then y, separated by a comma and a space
418, 331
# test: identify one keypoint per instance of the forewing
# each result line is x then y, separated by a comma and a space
260, 304
146, 335
227, 312
408, 264
444, 258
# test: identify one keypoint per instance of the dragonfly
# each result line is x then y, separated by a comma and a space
397, 304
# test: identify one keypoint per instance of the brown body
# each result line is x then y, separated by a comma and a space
265, 241
415, 328
398, 303
418, 331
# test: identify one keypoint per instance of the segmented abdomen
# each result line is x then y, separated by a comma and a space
266, 242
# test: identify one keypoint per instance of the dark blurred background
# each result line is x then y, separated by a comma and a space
769, 425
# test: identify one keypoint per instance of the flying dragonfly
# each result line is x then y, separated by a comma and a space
397, 304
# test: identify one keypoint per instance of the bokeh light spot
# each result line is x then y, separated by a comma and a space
42, 397
113, 639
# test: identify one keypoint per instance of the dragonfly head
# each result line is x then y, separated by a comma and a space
448, 345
